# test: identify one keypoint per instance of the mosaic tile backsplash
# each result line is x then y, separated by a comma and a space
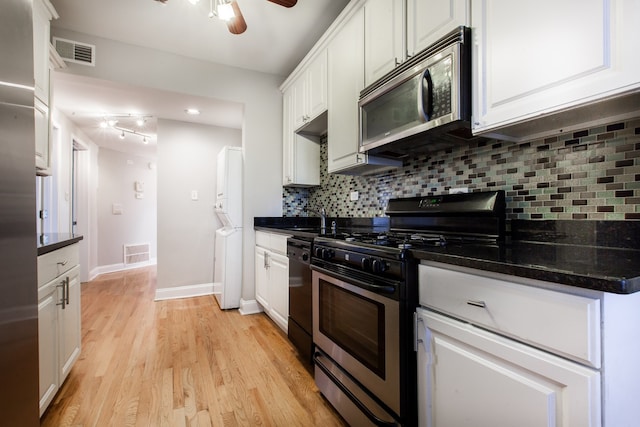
591, 174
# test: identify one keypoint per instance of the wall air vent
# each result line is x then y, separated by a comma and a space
76, 52
135, 253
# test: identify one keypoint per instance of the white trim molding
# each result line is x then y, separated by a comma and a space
184, 291
249, 307
103, 269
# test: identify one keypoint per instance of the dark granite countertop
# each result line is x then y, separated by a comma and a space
604, 269
49, 242
574, 253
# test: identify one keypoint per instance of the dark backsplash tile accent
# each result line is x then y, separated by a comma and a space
589, 174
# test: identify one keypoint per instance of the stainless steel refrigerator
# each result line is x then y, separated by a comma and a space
18, 253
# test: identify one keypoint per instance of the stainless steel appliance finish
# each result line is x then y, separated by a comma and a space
18, 253
362, 312
428, 99
365, 293
300, 314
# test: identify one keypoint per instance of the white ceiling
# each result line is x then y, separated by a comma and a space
276, 39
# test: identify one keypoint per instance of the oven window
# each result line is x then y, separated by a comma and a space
355, 323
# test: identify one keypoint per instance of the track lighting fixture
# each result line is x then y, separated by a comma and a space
115, 122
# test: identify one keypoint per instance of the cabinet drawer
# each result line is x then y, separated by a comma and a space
275, 242
55, 263
568, 325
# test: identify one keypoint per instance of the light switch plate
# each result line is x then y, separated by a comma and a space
194, 195
354, 196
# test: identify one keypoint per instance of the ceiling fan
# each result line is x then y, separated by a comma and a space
229, 11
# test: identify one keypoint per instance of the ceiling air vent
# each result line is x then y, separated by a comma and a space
72, 51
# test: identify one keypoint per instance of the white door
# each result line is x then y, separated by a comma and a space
470, 377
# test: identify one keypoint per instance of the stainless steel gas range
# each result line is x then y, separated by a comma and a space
365, 293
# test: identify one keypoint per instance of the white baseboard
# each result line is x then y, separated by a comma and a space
103, 269
184, 291
249, 307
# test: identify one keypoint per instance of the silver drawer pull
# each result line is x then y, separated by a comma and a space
480, 304
63, 263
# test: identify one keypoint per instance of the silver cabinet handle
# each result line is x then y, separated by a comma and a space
480, 304
63, 263
63, 301
67, 286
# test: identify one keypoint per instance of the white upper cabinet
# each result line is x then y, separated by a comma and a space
346, 80
384, 37
310, 92
42, 14
395, 30
427, 22
300, 152
536, 58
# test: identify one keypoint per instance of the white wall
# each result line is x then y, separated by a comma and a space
62, 154
117, 174
261, 132
186, 228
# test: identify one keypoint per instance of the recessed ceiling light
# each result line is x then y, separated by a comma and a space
192, 111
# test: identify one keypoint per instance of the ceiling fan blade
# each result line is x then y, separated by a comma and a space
237, 24
285, 3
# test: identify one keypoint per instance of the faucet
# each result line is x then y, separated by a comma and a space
323, 217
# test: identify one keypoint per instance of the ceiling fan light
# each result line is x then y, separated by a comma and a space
225, 11
285, 3
140, 121
237, 25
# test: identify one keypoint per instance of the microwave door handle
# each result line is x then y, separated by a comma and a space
425, 96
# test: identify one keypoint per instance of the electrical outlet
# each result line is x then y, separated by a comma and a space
458, 190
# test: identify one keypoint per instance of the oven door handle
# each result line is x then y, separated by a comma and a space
377, 421
378, 289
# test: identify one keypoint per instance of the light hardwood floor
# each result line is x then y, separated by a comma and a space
181, 363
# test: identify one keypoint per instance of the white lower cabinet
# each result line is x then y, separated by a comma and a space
471, 377
59, 311
272, 276
498, 353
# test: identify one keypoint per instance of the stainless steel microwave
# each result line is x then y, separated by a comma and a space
425, 102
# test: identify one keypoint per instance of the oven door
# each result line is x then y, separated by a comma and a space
359, 329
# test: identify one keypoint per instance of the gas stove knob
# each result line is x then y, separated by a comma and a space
317, 252
365, 264
378, 266
326, 254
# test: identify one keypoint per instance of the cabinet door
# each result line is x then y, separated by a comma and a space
346, 80
287, 137
41, 31
48, 345
262, 278
279, 289
383, 37
299, 97
529, 62
69, 321
317, 86
468, 376
300, 152
427, 22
